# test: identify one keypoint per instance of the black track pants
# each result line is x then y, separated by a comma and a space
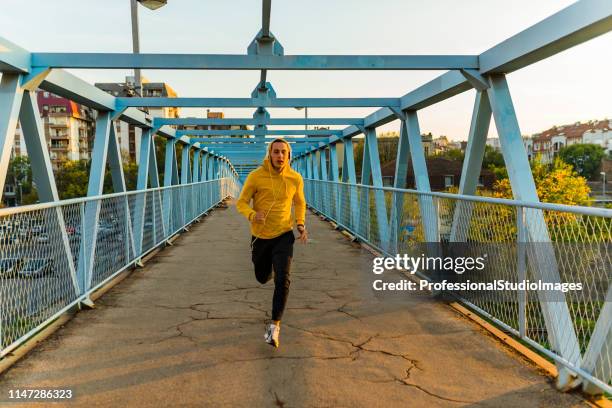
274, 254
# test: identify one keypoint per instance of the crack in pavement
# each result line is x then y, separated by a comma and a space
414, 364
340, 310
277, 400
404, 381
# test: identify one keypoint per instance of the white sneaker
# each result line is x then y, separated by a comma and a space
271, 335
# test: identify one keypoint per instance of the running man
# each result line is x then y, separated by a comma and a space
273, 187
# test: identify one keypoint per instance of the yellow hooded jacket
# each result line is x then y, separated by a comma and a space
273, 192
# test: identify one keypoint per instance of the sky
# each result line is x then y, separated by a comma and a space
572, 86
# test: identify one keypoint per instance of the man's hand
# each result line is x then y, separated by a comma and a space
259, 217
303, 238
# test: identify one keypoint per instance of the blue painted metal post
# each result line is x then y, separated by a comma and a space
363, 214
556, 314
142, 181
303, 166
11, 95
310, 175
170, 179
204, 169
157, 196
89, 236
325, 187
211, 173
596, 358
195, 177
185, 179
379, 194
35, 141
335, 177
309, 169
428, 211
472, 164
316, 174
349, 176
399, 181
118, 177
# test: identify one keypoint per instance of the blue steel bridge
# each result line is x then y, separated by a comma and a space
194, 312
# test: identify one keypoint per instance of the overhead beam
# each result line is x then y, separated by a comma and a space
13, 59
575, 24
571, 26
255, 103
441, 88
227, 149
71, 87
254, 122
237, 132
252, 141
252, 62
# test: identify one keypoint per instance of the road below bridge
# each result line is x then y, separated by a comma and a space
187, 330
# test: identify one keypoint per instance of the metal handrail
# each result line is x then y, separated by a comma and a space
576, 209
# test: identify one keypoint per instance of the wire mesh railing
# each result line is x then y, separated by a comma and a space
524, 242
54, 255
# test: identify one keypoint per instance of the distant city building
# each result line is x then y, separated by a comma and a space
214, 115
129, 135
443, 173
494, 143
439, 145
69, 133
68, 127
428, 146
548, 143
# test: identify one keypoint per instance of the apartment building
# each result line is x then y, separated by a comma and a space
129, 135
214, 115
68, 127
548, 143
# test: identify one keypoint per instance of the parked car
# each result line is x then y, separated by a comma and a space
9, 238
9, 267
36, 267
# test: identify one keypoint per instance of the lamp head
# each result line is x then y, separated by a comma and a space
153, 4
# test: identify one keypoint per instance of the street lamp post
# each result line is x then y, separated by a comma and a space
152, 5
603, 177
305, 115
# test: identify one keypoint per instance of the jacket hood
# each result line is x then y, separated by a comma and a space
267, 161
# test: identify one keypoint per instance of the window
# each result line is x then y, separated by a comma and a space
46, 94
57, 109
449, 181
45, 107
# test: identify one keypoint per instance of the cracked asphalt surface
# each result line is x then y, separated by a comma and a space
187, 330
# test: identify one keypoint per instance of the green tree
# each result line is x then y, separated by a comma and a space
453, 154
558, 184
492, 157
72, 178
130, 172
20, 174
584, 158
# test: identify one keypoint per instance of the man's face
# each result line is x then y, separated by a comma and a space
279, 154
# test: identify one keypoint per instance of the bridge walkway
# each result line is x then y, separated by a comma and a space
187, 330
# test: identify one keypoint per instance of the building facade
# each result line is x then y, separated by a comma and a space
548, 143
68, 126
128, 136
